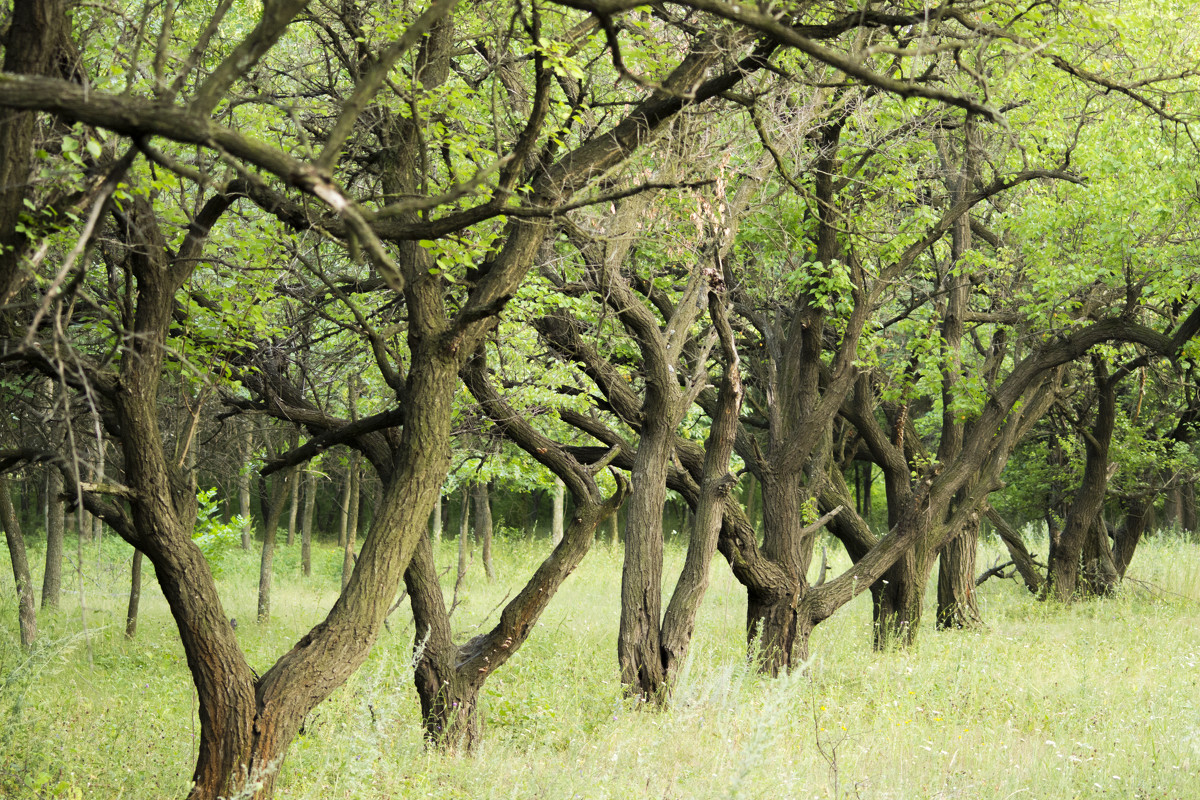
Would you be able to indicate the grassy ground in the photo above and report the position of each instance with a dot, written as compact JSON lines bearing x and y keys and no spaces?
{"x":1099,"y":700}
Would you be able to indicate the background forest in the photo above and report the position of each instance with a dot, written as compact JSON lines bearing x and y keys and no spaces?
{"x":856,"y":337}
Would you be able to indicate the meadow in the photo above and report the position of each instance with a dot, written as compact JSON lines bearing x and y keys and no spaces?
{"x":1097,"y":700}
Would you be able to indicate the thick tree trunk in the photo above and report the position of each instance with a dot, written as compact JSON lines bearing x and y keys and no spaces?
{"x":638,"y":639}
{"x":771,"y":615}
{"x":556,"y":512}
{"x":901,"y":599}
{"x":1085,"y":507}
{"x":306,"y":522}
{"x":1129,"y":535}
{"x":957,"y":606}
{"x":38,"y":35}
{"x":135,"y":595}
{"x":55,"y":524}
{"x":1100,"y":575}
{"x":483,"y":526}
{"x":448,"y":697}
{"x":26,"y":613}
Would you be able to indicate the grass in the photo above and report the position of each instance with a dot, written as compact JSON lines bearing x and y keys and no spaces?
{"x":1097,"y":700}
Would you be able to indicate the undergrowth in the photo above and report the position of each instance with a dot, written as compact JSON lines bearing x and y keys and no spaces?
{"x":1098,"y":699}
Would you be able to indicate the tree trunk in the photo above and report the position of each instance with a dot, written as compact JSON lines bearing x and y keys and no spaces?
{"x":355,"y":498}
{"x":247,"y":449}
{"x":1187,"y":507}
{"x":1085,"y":507}
{"x":638,"y":636}
{"x":135,"y":596}
{"x":26,"y":615}
{"x":435,"y":522}
{"x":1017,"y":551}
{"x":272,"y":511}
{"x":771,"y":615}
{"x":1100,"y":574}
{"x":464,"y":529}
{"x":901,"y":599}
{"x":55,"y":523}
{"x":293,"y":513}
{"x":483,"y":526}
{"x":957,"y":606}
{"x":306,"y":522}
{"x":1129,"y":535}
{"x":556,"y":513}
{"x":347,"y":490}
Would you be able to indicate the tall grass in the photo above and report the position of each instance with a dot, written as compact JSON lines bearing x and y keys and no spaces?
{"x":1100,"y":699}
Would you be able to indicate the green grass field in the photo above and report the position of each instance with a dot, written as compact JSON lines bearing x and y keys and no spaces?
{"x":1099,"y":700}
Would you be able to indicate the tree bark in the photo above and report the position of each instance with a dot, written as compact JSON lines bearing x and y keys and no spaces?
{"x":26,"y":613}
{"x":1129,"y":535}
{"x":1084,"y":511}
{"x":293,"y":512}
{"x":272,"y":511}
{"x":135,"y":595}
{"x":352,"y":507}
{"x":55,"y":524}
{"x":957,"y":605}
{"x":1017,"y":551}
{"x":306,"y":522}
{"x":435,"y":522}
{"x":483,"y":526}
{"x":247,"y":449}
{"x":556,"y":512}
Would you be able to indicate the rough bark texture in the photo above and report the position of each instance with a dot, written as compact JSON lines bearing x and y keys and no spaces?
{"x":26,"y":612}
{"x":448,"y":676}
{"x":1084,"y":511}
{"x":37,"y":41}
{"x":956,"y":603}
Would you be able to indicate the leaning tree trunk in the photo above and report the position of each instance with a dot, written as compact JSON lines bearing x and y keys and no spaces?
{"x":1017,"y":551}
{"x":1129,"y":535}
{"x":26,"y":614}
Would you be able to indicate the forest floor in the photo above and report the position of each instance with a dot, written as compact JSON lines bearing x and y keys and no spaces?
{"x":1097,"y":700}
